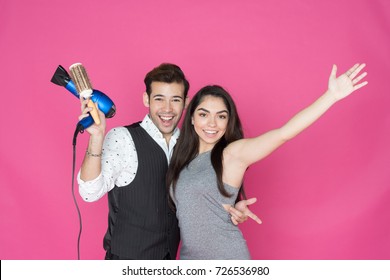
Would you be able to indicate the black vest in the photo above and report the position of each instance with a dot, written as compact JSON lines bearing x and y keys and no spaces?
{"x":140,"y":223}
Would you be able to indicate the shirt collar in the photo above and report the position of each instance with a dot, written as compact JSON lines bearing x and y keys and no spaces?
{"x":154,"y":132}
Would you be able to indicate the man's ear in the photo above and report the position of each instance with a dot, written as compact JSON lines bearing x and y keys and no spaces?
{"x":146,"y":99}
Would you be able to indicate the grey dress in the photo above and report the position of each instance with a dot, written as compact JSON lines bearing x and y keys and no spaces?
{"x":205,"y":227}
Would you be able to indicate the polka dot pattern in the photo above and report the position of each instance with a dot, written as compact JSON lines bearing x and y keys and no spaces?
{"x":120,"y":160}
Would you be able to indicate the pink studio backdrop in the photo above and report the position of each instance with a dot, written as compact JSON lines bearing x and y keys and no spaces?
{"x":324,"y":195}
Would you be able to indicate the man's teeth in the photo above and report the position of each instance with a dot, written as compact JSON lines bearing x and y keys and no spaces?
{"x":166,"y":118}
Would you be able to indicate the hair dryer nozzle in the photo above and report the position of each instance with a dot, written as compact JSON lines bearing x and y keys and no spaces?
{"x":60,"y":77}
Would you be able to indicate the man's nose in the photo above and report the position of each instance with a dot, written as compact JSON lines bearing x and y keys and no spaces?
{"x":167,"y":106}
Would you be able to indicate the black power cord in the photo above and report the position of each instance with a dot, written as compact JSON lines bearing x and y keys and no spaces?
{"x":78,"y":129}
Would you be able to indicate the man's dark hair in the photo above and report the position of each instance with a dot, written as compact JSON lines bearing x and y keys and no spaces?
{"x":166,"y":73}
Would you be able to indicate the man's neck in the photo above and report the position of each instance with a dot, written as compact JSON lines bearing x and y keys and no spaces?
{"x":167,"y":138}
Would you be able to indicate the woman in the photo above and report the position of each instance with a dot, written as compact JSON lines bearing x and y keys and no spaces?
{"x":211,"y":157}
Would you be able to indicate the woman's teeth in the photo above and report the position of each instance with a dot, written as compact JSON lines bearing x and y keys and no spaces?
{"x":210,"y":132}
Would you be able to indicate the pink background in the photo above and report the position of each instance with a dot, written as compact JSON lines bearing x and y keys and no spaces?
{"x":324,"y":195}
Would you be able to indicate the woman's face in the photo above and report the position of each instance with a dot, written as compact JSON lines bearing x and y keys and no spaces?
{"x":210,"y":120}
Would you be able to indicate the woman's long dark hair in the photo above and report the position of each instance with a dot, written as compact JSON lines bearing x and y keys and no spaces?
{"x":187,"y":146}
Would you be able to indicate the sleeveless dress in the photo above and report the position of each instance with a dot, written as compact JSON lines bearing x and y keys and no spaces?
{"x":205,"y":227}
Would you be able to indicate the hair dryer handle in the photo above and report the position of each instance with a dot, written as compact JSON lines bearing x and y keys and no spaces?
{"x":104,"y":104}
{"x":85,"y":123}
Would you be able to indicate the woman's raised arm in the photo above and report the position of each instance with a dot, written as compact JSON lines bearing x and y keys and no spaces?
{"x":248,"y":151}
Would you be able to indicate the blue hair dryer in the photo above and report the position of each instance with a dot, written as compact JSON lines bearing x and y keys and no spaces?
{"x":104,"y":103}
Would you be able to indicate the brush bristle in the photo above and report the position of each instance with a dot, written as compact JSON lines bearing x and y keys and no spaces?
{"x":80,"y":78}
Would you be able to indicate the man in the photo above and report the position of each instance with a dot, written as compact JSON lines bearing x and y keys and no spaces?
{"x":130,"y":165}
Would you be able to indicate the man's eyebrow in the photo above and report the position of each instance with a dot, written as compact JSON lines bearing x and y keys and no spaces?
{"x":161,"y":95}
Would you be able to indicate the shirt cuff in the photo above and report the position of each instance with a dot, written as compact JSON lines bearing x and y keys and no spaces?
{"x":87,"y":183}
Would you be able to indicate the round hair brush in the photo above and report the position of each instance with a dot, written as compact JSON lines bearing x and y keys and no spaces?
{"x":84,"y":87}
